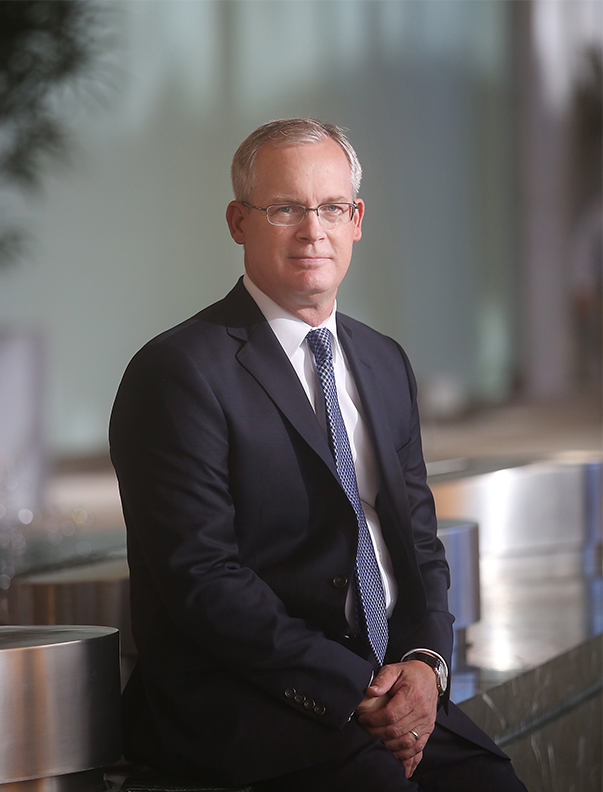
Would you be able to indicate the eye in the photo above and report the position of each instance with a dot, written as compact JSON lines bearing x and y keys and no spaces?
{"x":334,"y":209}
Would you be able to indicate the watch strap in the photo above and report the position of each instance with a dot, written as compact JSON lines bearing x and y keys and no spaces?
{"x":432,"y":661}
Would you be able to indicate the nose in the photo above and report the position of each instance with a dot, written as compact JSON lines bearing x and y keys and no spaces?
{"x":310,"y":227}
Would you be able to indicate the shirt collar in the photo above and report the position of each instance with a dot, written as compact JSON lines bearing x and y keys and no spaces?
{"x":289,"y":330}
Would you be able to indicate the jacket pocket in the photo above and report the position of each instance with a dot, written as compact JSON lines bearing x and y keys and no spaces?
{"x":403,"y":452}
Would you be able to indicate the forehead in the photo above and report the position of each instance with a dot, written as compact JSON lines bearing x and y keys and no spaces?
{"x":304,"y":168}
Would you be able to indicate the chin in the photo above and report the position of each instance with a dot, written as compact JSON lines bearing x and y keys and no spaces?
{"x":317,"y":283}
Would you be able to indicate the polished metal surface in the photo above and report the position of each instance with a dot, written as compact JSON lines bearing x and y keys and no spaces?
{"x":548,"y":506}
{"x":87,"y":781}
{"x":59,"y":704}
{"x":461,"y":541}
{"x":97,"y":592}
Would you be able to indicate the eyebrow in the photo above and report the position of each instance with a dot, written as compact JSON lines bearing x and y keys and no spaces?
{"x":284,"y":200}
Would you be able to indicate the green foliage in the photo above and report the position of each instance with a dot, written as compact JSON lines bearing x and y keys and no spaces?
{"x":46,"y":47}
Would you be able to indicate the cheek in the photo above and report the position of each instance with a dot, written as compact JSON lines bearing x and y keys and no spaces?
{"x":344,"y":251}
{"x":260,"y":248}
{"x":274,"y":243}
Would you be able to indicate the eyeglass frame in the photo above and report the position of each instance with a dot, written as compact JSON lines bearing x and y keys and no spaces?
{"x":353,"y":206}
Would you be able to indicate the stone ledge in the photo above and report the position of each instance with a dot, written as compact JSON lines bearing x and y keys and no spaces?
{"x":548,"y":720}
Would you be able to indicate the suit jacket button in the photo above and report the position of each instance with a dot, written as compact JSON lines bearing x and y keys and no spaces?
{"x":290,"y":692}
{"x":309,"y":704}
{"x":299,"y":699}
{"x":319,"y":709}
{"x":340,"y":581}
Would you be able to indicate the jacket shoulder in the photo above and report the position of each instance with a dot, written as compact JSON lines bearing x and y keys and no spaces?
{"x":234,"y":314}
{"x":372,"y":341}
{"x":361,"y":331}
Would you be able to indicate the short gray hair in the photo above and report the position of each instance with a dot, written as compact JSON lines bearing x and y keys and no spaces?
{"x":287,"y":132}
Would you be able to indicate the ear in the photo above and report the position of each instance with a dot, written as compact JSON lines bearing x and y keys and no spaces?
{"x":357,"y":219}
{"x":236,"y":214}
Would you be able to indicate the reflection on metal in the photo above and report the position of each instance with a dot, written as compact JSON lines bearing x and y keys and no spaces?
{"x":460,"y":539}
{"x":87,"y":593}
{"x":594,"y":517}
{"x":543,"y":507}
{"x":88,"y":781}
{"x":442,"y":466}
{"x":461,"y":542}
{"x":59,"y":707}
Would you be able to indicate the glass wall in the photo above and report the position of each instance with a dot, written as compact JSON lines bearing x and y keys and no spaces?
{"x":131,"y":238}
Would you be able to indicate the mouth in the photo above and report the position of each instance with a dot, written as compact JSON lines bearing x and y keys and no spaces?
{"x":309,"y":261}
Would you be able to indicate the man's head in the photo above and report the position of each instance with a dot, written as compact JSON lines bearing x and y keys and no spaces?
{"x":287,"y":132}
{"x":297,"y":162}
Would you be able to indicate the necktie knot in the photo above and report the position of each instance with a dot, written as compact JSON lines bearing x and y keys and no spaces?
{"x":319,"y":341}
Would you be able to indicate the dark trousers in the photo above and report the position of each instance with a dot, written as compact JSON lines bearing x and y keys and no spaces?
{"x":450,"y":764}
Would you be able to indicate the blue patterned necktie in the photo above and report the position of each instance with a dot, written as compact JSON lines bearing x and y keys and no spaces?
{"x":368,"y":588}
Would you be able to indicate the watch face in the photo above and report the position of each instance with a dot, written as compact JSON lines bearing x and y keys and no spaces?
{"x":442,"y":676}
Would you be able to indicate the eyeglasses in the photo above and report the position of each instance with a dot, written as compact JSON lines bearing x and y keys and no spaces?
{"x":329,"y":214}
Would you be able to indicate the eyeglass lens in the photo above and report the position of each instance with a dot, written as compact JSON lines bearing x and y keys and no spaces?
{"x":293,"y":214}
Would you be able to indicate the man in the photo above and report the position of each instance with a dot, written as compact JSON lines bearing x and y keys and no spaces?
{"x":281,"y":536}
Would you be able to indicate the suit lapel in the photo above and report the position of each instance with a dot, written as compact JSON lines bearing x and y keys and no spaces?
{"x":264,"y":358}
{"x":397,"y":532}
{"x":395,"y":515}
{"x":373,"y":407}
{"x":262,"y":355}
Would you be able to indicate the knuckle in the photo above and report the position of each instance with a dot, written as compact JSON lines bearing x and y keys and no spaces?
{"x":389,"y":736}
{"x":398,"y":732}
{"x":422,"y":702}
{"x":391,"y":717}
{"x":405,"y":745}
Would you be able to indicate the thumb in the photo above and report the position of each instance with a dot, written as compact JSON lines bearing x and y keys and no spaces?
{"x":383,"y":682}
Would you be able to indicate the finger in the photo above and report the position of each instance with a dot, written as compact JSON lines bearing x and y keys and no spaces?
{"x":386,"y":724}
{"x":395,"y":710}
{"x":386,"y":678}
{"x":369,"y":704}
{"x":407,"y":754}
{"x":405,"y":747}
{"x":411,"y":764}
{"x":421,"y":725}
{"x":407,"y":707}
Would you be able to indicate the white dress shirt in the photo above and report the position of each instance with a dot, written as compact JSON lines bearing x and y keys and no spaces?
{"x":291,"y":333}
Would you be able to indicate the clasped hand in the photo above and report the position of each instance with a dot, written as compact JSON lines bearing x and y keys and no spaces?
{"x":401,"y":698}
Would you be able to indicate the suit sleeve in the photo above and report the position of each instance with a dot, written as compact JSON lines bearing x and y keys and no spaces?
{"x":435,"y":631}
{"x":169,"y":439}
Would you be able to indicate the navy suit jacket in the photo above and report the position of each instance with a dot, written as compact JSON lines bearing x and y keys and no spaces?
{"x":241,"y":545}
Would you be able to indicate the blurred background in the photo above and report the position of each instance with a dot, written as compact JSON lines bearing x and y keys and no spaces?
{"x":479,"y":128}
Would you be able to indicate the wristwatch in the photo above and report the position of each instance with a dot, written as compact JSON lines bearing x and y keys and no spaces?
{"x":439,"y":668}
